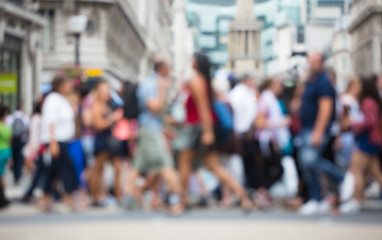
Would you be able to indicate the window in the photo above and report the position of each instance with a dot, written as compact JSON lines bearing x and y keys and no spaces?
{"x":300,"y":34}
{"x":48,"y":33}
{"x":345,"y":42}
{"x":344,"y":64}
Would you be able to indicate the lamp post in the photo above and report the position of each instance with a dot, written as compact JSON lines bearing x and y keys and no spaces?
{"x":76,"y":26}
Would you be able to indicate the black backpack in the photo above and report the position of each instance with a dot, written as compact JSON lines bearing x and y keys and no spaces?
{"x":131,"y":108}
{"x":19,"y":128}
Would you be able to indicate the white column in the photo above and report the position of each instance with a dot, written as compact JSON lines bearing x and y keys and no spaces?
{"x":242,"y":43}
{"x":26,"y":80}
{"x":376,"y":57}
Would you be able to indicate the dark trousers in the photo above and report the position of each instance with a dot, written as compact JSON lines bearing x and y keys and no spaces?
{"x":62,"y":167}
{"x":249,"y":154}
{"x":38,"y":177}
{"x":261,"y":171}
{"x":17,"y":145}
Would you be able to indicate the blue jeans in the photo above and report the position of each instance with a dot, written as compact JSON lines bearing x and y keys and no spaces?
{"x":312,"y":164}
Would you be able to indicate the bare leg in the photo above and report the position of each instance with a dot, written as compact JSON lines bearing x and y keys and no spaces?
{"x":212,"y":161}
{"x":117,"y":178}
{"x":358,"y":165}
{"x":375,"y":170}
{"x":172,"y":179}
{"x":185,"y":161}
{"x":96,"y":188}
{"x":201,"y":184}
{"x":131,"y":180}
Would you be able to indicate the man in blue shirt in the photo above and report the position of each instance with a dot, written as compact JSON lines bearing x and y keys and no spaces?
{"x":317,"y":114}
{"x":153,"y":155}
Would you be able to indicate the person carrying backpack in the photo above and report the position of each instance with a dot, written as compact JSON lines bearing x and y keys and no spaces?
{"x":19,"y":122}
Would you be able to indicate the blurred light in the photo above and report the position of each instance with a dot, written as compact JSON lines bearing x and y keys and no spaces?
{"x":77,"y":24}
{"x":94,"y":72}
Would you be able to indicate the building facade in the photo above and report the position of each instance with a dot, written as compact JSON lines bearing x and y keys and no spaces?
{"x":20,"y":53}
{"x":120,"y":39}
{"x":245,"y":40}
{"x":183,"y":42}
{"x":210,"y":21}
{"x":366,"y":32}
{"x":340,"y":53}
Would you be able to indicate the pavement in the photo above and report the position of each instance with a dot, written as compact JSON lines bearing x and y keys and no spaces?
{"x":26,"y":222}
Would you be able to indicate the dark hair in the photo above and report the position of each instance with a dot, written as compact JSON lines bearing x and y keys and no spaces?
{"x":37,"y":107}
{"x":204,"y":68}
{"x":158,"y":65}
{"x":266,"y":84}
{"x":369,"y":89}
{"x":4,"y":110}
{"x":57,"y":82}
{"x":99,"y":83}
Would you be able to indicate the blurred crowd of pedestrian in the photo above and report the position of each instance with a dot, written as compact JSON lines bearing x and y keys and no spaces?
{"x":212,"y":141}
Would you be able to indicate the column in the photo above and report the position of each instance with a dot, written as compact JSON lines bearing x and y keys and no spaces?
{"x":242,"y":43}
{"x":376,"y":57}
{"x":26,"y":80}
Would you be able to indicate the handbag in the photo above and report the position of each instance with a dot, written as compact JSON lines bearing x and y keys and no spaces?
{"x":122,"y":130}
{"x":224,"y":116}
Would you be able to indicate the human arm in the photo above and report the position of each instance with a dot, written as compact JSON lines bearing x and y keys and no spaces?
{"x":370,"y":111}
{"x":156,"y":103}
{"x":325,"y":109}
{"x":200,"y":96}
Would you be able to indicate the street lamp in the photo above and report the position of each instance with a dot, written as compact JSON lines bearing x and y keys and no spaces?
{"x":76,"y":26}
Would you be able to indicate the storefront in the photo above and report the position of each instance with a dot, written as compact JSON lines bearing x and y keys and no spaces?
{"x":20,"y":55}
{"x":10,"y":53}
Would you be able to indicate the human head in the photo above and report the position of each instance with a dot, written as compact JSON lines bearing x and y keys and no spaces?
{"x":354,"y":87}
{"x":102,"y":91}
{"x":62,"y":85}
{"x":3,"y":112}
{"x":201,"y":64}
{"x":248,"y":80}
{"x":332,"y":76}
{"x":37,"y":107}
{"x":369,"y":89}
{"x":273,"y":84}
{"x":316,"y":62}
{"x":162,"y":67}
{"x":380,"y":84}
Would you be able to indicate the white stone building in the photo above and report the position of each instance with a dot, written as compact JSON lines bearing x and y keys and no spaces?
{"x":244,"y":46}
{"x":340,"y":53}
{"x":183,"y":42}
{"x":366,"y":32}
{"x":120,"y":38}
{"x":20,"y":53}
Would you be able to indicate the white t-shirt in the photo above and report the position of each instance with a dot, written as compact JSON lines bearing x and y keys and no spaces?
{"x":244,"y":104}
{"x":355,"y":111}
{"x":58,"y":111}
{"x":270,"y":106}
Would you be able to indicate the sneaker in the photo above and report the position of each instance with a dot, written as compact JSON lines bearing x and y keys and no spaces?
{"x":350,"y":207}
{"x":324,"y":207}
{"x":310,"y":208}
{"x":107,"y":202}
{"x":129,"y":203}
{"x":347,"y":187}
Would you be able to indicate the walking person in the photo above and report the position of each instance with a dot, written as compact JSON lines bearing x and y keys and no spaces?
{"x":153,"y":154}
{"x":5,"y":152}
{"x":273,"y":136}
{"x":368,"y":141}
{"x":32,"y":152}
{"x":244,"y":104}
{"x":57,"y":130}
{"x":317,"y":114}
{"x":19,"y":122}
{"x":201,"y":120}
{"x":106,"y":147}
